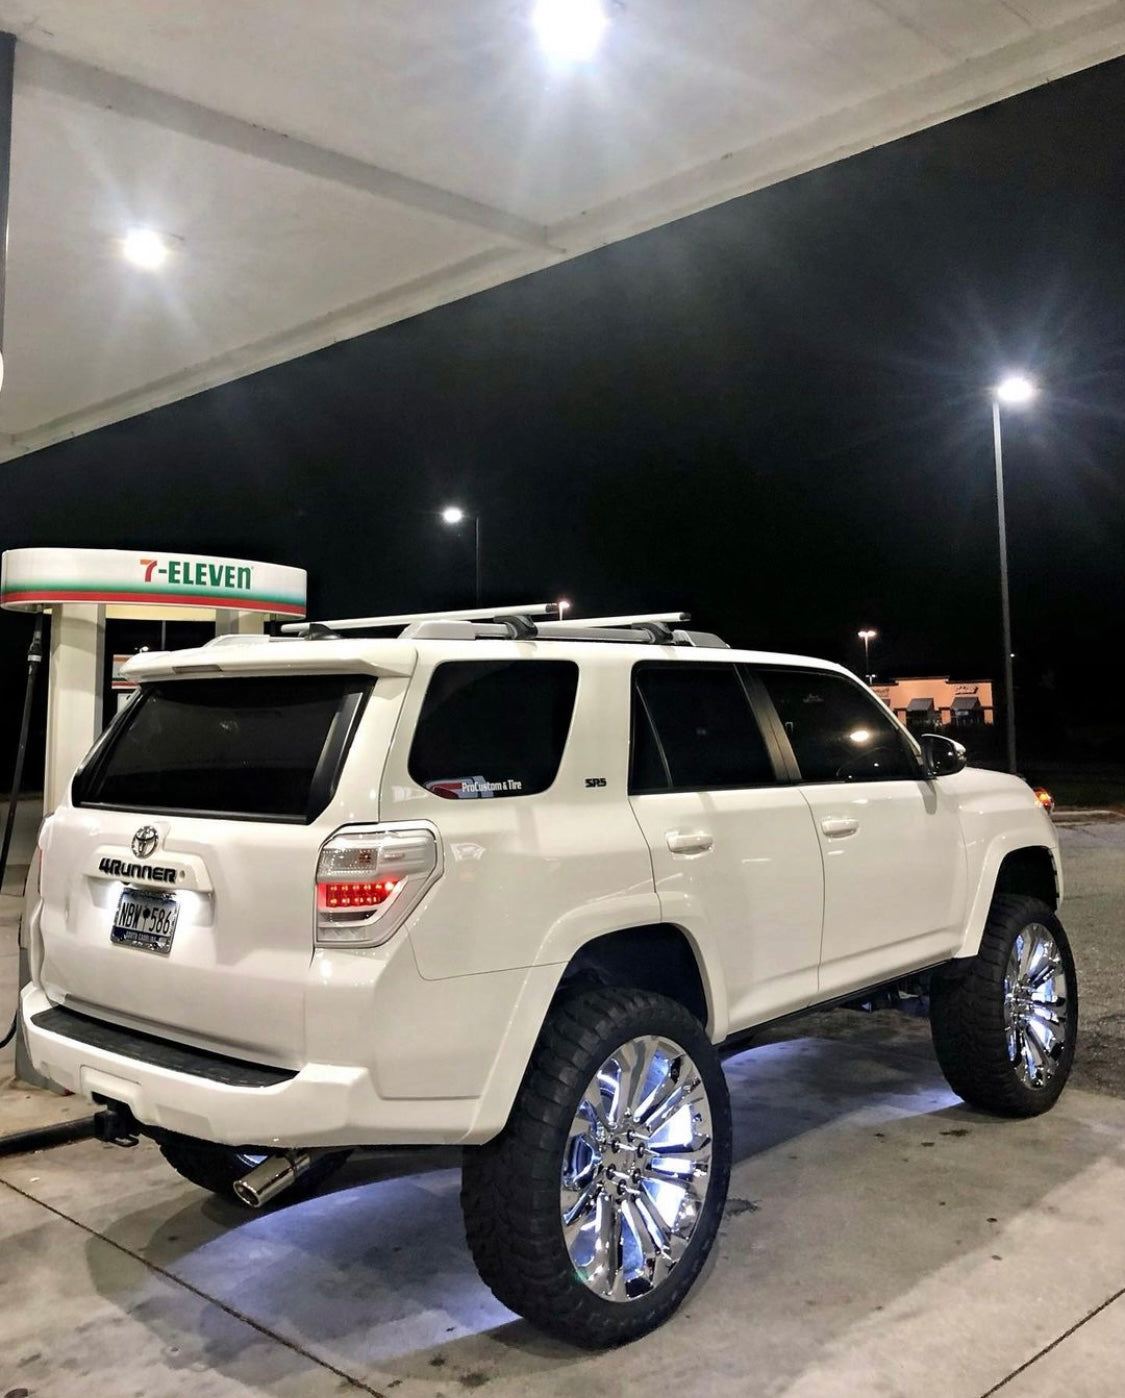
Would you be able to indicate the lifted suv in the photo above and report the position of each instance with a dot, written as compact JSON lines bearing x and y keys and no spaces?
{"x":514,"y":883}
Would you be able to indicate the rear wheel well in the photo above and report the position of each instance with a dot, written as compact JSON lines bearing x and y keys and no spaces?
{"x":1030,"y":872}
{"x":657,"y":957}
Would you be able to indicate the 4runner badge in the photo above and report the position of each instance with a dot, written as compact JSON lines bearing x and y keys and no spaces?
{"x":145,"y":841}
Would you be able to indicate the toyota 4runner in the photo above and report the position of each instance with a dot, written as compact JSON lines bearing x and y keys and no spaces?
{"x":514,"y":883}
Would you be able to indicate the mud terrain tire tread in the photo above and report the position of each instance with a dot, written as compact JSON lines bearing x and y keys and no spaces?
{"x":510,"y":1186}
{"x":967,"y":1016}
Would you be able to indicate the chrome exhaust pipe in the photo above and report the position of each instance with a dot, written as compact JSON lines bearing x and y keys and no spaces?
{"x":273,"y":1176}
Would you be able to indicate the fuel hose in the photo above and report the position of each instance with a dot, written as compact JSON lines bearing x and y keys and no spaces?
{"x":34,"y":660}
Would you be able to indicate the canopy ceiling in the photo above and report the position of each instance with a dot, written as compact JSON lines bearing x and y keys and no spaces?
{"x":321,"y":170}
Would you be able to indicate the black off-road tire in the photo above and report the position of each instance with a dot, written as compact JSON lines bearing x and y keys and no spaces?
{"x":967,"y":1016}
{"x":215,"y":1168}
{"x":510,"y":1192}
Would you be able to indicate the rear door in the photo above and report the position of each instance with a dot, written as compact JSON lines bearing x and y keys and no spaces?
{"x":734,"y":854}
{"x":178,"y":885}
{"x":894,"y":859}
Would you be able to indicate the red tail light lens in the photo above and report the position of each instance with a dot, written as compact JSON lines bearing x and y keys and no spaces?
{"x":356,"y":896}
{"x":369,"y":880}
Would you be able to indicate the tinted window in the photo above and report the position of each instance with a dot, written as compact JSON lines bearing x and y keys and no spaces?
{"x":268,"y":747}
{"x":838,"y":732}
{"x":493,"y":727}
{"x":703,"y":734}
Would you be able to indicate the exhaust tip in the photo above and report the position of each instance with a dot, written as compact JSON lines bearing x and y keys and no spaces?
{"x":269,"y":1179}
{"x":247,"y":1195}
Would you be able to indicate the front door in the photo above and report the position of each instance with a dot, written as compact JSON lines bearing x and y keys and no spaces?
{"x":894,"y":859}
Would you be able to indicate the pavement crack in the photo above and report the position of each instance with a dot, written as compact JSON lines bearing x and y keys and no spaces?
{"x":357,"y":1384}
{"x":1066,"y":1334}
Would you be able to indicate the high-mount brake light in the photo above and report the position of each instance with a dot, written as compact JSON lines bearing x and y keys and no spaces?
{"x":369,"y":879}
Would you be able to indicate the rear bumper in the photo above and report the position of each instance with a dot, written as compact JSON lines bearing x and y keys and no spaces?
{"x":323,"y":1104}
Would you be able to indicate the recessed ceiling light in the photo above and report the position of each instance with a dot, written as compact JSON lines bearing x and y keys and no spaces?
{"x":570,"y":30}
{"x":144,"y":248}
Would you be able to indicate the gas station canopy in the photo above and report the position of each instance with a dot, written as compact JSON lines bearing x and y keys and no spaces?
{"x":316,"y":171}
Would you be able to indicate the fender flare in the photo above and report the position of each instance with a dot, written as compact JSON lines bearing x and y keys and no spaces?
{"x":999,"y":849}
{"x":541,"y":982}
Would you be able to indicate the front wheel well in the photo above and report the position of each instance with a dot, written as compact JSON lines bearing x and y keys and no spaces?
{"x":657,"y":957}
{"x":1030,"y":872}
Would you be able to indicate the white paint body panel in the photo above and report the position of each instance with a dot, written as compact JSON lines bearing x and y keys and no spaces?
{"x":894,"y":879}
{"x":425,"y":1038}
{"x":752,"y":901}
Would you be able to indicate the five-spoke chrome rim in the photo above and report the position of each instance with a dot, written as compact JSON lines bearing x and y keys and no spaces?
{"x":636,"y":1168}
{"x":1035,"y":1006}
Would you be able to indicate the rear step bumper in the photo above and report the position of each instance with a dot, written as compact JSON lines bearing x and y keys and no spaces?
{"x":195,"y":1093}
{"x":162,"y":1053}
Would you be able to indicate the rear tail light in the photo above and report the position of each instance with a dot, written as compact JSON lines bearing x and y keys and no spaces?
{"x":369,"y":880}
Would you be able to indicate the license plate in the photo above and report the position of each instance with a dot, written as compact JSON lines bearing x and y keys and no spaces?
{"x":145,"y":920}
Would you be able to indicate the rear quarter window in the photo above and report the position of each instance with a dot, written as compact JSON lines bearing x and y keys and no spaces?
{"x":493,"y":728}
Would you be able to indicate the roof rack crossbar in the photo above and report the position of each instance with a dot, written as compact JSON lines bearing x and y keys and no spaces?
{"x":526,"y":623}
{"x":364,"y":623}
{"x":608,"y":621}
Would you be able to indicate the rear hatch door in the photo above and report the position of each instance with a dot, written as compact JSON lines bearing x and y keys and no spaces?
{"x":178,"y":884}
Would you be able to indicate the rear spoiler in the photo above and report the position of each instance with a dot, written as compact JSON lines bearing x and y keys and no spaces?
{"x":271,"y":655}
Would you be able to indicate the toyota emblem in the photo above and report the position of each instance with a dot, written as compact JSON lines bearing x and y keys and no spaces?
{"x":145,"y":841}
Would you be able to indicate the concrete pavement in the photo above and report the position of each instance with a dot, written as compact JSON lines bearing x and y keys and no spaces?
{"x":881,"y":1239}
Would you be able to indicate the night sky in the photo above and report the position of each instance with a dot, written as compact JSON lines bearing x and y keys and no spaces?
{"x":774,"y":414}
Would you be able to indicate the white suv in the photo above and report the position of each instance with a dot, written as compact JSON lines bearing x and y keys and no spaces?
{"x":515,"y":883}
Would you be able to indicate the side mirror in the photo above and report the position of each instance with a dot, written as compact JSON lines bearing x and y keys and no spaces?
{"x":941,"y":756}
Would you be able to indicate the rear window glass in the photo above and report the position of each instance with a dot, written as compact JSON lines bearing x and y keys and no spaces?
{"x":491,"y":728}
{"x":266,"y":747}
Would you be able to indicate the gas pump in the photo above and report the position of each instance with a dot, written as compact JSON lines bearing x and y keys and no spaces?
{"x":80,"y":589}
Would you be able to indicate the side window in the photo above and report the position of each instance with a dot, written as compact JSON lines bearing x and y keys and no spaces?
{"x":493,"y":728}
{"x":838,"y":732}
{"x":693,"y":730}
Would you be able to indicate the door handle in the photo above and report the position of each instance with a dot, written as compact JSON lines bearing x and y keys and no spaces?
{"x":689,"y":841}
{"x":839,"y":825}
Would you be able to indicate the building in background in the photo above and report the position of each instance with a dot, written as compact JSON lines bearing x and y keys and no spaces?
{"x":930,"y":702}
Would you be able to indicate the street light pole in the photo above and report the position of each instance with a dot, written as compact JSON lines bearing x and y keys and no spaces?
{"x":867,"y":636}
{"x":1005,"y":602}
{"x":1015,"y":390}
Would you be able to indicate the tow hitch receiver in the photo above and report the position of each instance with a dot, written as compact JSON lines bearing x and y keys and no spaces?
{"x":117,"y":1125}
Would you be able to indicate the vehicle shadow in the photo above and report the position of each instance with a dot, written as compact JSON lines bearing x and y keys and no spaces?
{"x":373,"y":1276}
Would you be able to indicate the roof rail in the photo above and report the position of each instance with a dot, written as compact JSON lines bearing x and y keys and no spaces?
{"x":366,"y":623}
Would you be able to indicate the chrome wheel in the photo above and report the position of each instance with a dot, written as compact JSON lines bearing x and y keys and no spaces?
{"x":636,"y":1168}
{"x":1035,"y":1005}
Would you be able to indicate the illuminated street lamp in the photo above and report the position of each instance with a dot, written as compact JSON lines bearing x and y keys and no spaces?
{"x":867,"y":637}
{"x":453,"y":515}
{"x":1013,"y":392}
